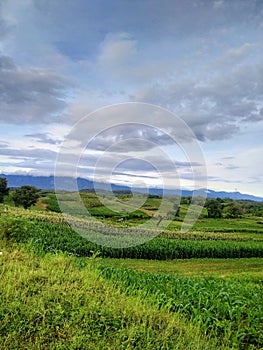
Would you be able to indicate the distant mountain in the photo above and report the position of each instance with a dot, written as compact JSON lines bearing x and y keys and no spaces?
{"x":233,"y":195}
{"x":65,"y":183}
{"x":43,"y":182}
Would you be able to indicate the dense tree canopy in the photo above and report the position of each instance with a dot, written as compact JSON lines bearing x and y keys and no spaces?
{"x":214,"y":208}
{"x":233,"y":210}
{"x":25,"y":196}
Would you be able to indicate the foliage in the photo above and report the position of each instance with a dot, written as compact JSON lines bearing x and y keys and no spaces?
{"x":214,"y":208}
{"x":13,"y":229}
{"x":25,"y":196}
{"x":175,"y":213}
{"x":252,"y":208}
{"x":52,"y":203}
{"x":233,"y":210}
{"x":4,"y":190}
{"x":95,"y":207}
{"x":186,"y":200}
{"x":90,"y":200}
{"x":56,"y":237}
{"x":52,"y":295}
{"x":52,"y":302}
{"x":154,"y":196}
{"x":228,"y":310}
{"x":51,"y":233}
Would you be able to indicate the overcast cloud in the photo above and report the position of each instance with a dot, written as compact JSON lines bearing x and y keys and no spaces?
{"x":201,"y":60}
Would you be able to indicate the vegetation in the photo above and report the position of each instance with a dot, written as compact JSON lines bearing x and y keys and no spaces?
{"x":233,"y":210}
{"x":51,"y":236}
{"x":243,"y":269}
{"x":51,"y":302}
{"x":25,"y":196}
{"x":230,"y":310}
{"x":52,"y":203}
{"x":196,"y":290}
{"x":4,"y":190}
{"x":228,"y":208}
{"x":214,"y":208}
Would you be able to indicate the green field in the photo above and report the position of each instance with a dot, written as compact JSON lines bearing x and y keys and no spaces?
{"x":242,"y":268}
{"x":197,"y":290}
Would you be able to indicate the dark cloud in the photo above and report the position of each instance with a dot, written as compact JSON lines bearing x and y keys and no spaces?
{"x":217,"y":108}
{"x":129,"y":138}
{"x":133,"y":175}
{"x":30,"y":95}
{"x":44,"y":138}
{"x":147,"y":165}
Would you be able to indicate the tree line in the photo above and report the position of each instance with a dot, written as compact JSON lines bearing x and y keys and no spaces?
{"x":229,"y":208}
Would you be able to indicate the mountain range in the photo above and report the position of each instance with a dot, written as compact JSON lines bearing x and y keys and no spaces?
{"x":64,"y":183}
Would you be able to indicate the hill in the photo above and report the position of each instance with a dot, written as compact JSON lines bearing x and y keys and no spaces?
{"x":65,"y":183}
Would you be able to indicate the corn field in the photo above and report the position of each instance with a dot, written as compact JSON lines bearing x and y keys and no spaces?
{"x":229,"y":310}
{"x":54,"y":236}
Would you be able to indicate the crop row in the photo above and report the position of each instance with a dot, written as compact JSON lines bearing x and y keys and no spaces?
{"x":48,"y":236}
{"x":230,"y":310}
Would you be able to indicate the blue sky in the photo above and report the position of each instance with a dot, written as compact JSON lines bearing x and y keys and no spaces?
{"x":202,"y":60}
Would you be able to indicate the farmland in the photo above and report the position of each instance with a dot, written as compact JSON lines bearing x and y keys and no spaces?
{"x":196,"y":290}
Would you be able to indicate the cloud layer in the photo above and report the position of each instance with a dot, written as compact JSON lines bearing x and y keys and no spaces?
{"x":201,"y":60}
{"x":30,"y":95}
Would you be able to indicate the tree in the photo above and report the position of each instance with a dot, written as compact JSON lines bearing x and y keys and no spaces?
{"x":25,"y":196}
{"x":3,"y":188}
{"x":233,"y":210}
{"x":214,"y":208}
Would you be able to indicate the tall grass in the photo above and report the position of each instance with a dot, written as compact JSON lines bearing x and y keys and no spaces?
{"x":229,"y":310}
{"x":51,"y":237}
{"x":50,"y":302}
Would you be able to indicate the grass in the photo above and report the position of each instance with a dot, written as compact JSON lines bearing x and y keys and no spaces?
{"x":51,"y":302}
{"x":52,"y":299}
{"x":138,"y":210}
{"x":244,"y":269}
{"x":230,"y":310}
{"x":246,"y":224}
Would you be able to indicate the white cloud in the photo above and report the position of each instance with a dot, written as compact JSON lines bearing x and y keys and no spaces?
{"x":116,"y":49}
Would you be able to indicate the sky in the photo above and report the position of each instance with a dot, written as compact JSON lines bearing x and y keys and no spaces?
{"x":199,"y":61}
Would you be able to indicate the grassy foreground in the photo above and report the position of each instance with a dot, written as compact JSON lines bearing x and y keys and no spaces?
{"x":55,"y":294}
{"x":51,"y":302}
{"x":230,"y":309}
